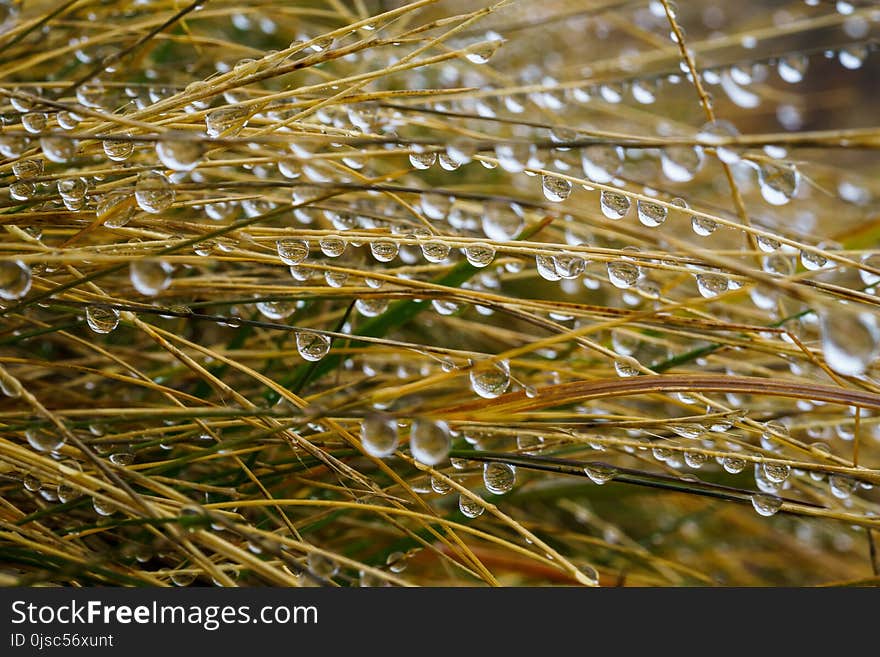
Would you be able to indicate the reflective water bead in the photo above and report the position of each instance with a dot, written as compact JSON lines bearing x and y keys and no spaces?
{"x":150,"y":276}
{"x":322,"y":566}
{"x":651,"y":214}
{"x":546,"y":268}
{"x":625,"y":369}
{"x":776,"y":472}
{"x":44,"y":440}
{"x":58,"y":149}
{"x":766,"y":505}
{"x":276,"y":310}
{"x":703,"y":226}
{"x":491,"y":382}
{"x":499,"y":478}
{"x":384,"y":250}
{"x":778,"y":182}
{"x":312,"y":346}
{"x":435,"y":251}
{"x":813,"y":261}
{"x":422,"y":160}
{"x":179,"y":154}
{"x":15,"y":279}
{"x":429,"y":441}
{"x":614,"y":205}
{"x":482,"y":52}
{"x":622,"y":274}
{"x":681,"y":163}
{"x":226,"y":121}
{"x":600,"y":473}
{"x":479,"y":255}
{"x":332,"y":246}
{"x":379,"y":435}
{"x":470,"y":508}
{"x":440,"y":486}
{"x":850,"y":338}
{"x":852,"y":57}
{"x":31,"y":168}
{"x":500,"y":223}
{"x":733,"y":464}
{"x":371,"y":307}
{"x":791,"y":68}
{"x":842,"y":487}
{"x":714,"y":134}
{"x":117,"y":150}
{"x":556,"y":189}
{"x":153,"y":192}
{"x":102,"y":319}
{"x":292,"y":251}
{"x":711,"y":285}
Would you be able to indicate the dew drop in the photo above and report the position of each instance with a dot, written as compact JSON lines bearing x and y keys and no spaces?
{"x":226,"y":121}
{"x":423,"y":161}
{"x":102,"y":319}
{"x":15,"y":279}
{"x":45,"y":441}
{"x":651,"y":214}
{"x":711,"y":285}
{"x":499,"y":478}
{"x":332,"y":246}
{"x":482,"y":52}
{"x":702,"y":226}
{"x":440,"y":486}
{"x":149,"y":276}
{"x":791,"y":68}
{"x":153,"y":192}
{"x":117,"y":150}
{"x":733,"y":464}
{"x":600,"y":473}
{"x":312,"y":346}
{"x":622,"y":274}
{"x":479,"y":255}
{"x":492,"y":382}
{"x":322,"y":566}
{"x":842,"y":487}
{"x":429,"y":441}
{"x":292,"y":251}
{"x":556,"y":189}
{"x":849,"y":339}
{"x":179,"y":154}
{"x":614,"y":205}
{"x":379,"y":435}
{"x":469,"y":507}
{"x":776,"y":473}
{"x":384,"y":250}
{"x":435,"y":251}
{"x":681,"y":163}
{"x":766,"y":505}
{"x":778,"y":182}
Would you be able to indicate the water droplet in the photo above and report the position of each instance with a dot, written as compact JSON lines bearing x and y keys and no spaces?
{"x":24,"y":169}
{"x":681,"y":163}
{"x":440,"y":486}
{"x":614,"y":205}
{"x":117,"y":150}
{"x":15,"y":279}
{"x":813,"y":261}
{"x":469,"y":507}
{"x":568,"y":265}
{"x":499,"y":478}
{"x":102,"y":319}
{"x":479,"y":255}
{"x":43,"y":440}
{"x":276,"y":310}
{"x":849,"y":339}
{"x":435,"y":251}
{"x":778,"y":182}
{"x":122,"y":458}
{"x":651,"y":214}
{"x":384,"y":250}
{"x":226,"y":121}
{"x":179,"y":154}
{"x":116,"y":208}
{"x":625,"y":369}
{"x":371,"y":307}
{"x":58,"y":149}
{"x":322,"y":566}
{"x":870,"y":260}
{"x":482,"y":52}
{"x":842,"y":487}
{"x":429,"y":441}
{"x":556,"y":189}
{"x":492,"y":382}
{"x":546,"y":267}
{"x":379,"y":435}
{"x":776,"y":473}
{"x":766,"y":505}
{"x":153,"y":192}
{"x":396,"y":562}
{"x":600,"y":473}
{"x":292,"y":251}
{"x":714,"y":133}
{"x":852,"y":57}
{"x":103,"y":507}
{"x":150,"y":277}
{"x":711,"y":285}
{"x":702,"y":226}
{"x":33,"y":122}
{"x":695,"y":459}
{"x":733,"y":464}
{"x":312,"y":346}
{"x":423,"y":160}
{"x":791,"y":68}
{"x":500,"y":223}
{"x":622,"y":274}
{"x":332,"y":246}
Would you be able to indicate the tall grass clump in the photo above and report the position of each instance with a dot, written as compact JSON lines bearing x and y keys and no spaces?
{"x":439,"y":293}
